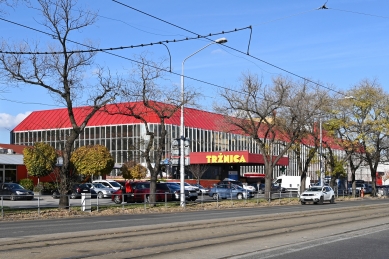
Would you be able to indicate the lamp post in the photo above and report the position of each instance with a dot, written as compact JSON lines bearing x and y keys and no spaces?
{"x":182,"y":131}
{"x":321,"y":167}
{"x":320,"y":158}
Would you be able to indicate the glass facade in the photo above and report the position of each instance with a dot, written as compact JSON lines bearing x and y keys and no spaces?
{"x":126,"y":143}
{"x":7,"y":173}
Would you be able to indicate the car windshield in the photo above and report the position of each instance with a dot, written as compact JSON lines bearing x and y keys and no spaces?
{"x":14,"y":186}
{"x":115,"y":184}
{"x":98,"y":185}
{"x":314,"y":189}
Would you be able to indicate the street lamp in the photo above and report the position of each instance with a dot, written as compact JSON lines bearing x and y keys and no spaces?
{"x":182,"y":131}
{"x":321,"y":154}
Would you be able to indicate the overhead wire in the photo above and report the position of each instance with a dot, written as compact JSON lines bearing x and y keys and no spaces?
{"x":112,"y":48}
{"x":126,"y":58}
{"x":239,"y":51}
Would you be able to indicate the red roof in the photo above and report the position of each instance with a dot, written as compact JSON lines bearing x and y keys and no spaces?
{"x":17,"y":149}
{"x":193,"y":118}
{"x":58,"y":118}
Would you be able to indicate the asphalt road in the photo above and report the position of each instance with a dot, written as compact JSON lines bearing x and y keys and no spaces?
{"x":352,"y":229}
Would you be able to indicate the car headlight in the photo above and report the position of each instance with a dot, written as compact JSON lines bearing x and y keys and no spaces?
{"x":20,"y":193}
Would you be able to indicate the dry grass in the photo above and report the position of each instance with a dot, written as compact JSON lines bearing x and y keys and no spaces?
{"x":15,"y":215}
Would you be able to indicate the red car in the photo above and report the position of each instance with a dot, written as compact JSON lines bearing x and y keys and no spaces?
{"x":141,"y":191}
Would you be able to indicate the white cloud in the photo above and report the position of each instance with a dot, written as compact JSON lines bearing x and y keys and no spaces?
{"x":9,"y":121}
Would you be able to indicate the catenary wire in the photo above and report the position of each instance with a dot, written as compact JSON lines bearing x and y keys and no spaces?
{"x":239,"y":51}
{"x":92,"y":49}
{"x":129,"y":59}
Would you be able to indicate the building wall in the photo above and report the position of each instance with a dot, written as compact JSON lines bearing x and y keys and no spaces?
{"x":126,"y":142}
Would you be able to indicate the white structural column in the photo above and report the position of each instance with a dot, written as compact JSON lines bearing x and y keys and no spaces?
{"x":182,"y":126}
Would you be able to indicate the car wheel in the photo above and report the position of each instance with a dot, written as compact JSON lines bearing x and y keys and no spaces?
{"x":73,"y":195}
{"x":117,"y":199}
{"x":321,"y":200}
{"x":215,"y":196}
{"x":13,"y":198}
{"x":239,"y":196}
{"x":303,"y":203}
{"x":332,"y":201}
{"x":193,"y":198}
{"x":100,"y":195}
{"x":147,"y":199}
{"x":55,"y":195}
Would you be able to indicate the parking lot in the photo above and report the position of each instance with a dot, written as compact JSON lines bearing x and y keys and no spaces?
{"x":47,"y":201}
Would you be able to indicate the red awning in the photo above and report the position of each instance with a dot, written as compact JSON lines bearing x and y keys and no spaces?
{"x":253,"y":175}
{"x":232,"y":157}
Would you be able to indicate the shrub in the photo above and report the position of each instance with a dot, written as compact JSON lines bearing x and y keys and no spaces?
{"x":27,"y":183}
{"x":49,"y":186}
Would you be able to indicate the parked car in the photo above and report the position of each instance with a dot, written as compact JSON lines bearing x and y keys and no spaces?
{"x":175,"y":189}
{"x":318,"y":195}
{"x":14,"y":191}
{"x":224,"y":191}
{"x":141,"y":193}
{"x":275,"y":188}
{"x":249,"y":187}
{"x":118,"y":194}
{"x":202,"y":189}
{"x":109,"y":183}
{"x":78,"y":189}
{"x":101,"y":190}
{"x":230,"y":181}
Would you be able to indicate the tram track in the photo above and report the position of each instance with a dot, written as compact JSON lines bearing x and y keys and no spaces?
{"x":136,"y":242}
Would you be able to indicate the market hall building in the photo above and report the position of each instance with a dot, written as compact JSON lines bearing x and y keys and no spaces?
{"x":211,"y":141}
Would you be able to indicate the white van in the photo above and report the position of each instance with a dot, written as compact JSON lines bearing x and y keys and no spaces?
{"x":109,"y":183}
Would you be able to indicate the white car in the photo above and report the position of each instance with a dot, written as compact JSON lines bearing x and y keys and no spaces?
{"x":190,"y":187}
{"x":249,"y":187}
{"x":202,"y":189}
{"x":109,"y":184}
{"x":318,"y":195}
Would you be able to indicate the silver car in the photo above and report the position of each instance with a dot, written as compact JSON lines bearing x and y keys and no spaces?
{"x":101,"y":190}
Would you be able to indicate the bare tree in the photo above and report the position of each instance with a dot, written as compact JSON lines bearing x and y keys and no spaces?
{"x":62,"y":75}
{"x":146,"y":96}
{"x":274,"y":116}
{"x":307,"y":102}
{"x":198,"y":171}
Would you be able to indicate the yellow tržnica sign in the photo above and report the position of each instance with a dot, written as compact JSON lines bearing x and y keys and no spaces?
{"x":225,"y":158}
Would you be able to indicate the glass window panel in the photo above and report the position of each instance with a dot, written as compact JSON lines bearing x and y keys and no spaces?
{"x":113,"y":132}
{"x":125,"y":140}
{"x":107,"y":132}
{"x":97,"y":132}
{"x":92,"y":133}
{"x":119,"y":144}
{"x":102,"y":132}
{"x":86,"y":133}
{"x":124,"y":130}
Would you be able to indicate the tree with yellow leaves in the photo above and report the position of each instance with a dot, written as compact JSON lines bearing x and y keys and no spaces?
{"x":92,"y":160}
{"x":40,"y":159}
{"x":131,"y":170}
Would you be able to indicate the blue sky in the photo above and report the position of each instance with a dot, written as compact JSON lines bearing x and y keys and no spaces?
{"x":337,"y":47}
